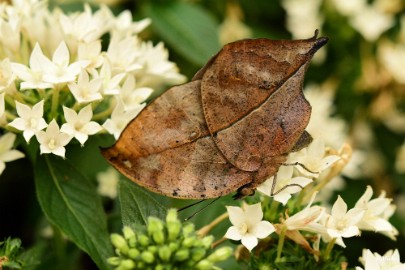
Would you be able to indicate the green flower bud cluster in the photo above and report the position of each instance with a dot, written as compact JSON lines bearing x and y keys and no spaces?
{"x":165,"y":245}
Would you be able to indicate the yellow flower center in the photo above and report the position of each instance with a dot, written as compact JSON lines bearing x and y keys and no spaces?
{"x":243,"y":228}
{"x":52,"y":144}
{"x":33,"y":122}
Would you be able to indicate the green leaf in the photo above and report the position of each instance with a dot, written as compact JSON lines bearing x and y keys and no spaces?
{"x":137,"y":203}
{"x":187,"y":28}
{"x":69,"y":200}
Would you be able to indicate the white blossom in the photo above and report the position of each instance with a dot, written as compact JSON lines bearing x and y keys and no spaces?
{"x":248,"y":225}
{"x":52,"y":140}
{"x":374,"y":261}
{"x":59,"y":70}
{"x":30,"y":120}
{"x":342,"y":223}
{"x":284,"y":178}
{"x":33,"y":77}
{"x":131,"y":96}
{"x":313,"y":158}
{"x":86,"y":90}
{"x":8,"y":154}
{"x":377,"y":213}
{"x":79,"y":125}
{"x":120,"y":118}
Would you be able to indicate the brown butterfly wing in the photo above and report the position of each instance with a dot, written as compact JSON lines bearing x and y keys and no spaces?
{"x":167,"y":149}
{"x":252,"y":98}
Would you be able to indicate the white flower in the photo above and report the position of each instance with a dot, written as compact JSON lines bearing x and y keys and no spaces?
{"x":123,"y":54}
{"x":6,"y":153}
{"x":248,"y":225}
{"x":58,"y":70}
{"x":7,"y":77}
{"x":131,"y":96}
{"x":349,"y":7}
{"x":90,"y":52}
{"x":371,"y":22}
{"x":52,"y":140}
{"x":86,"y":90}
{"x":10,"y":30}
{"x":307,"y":219}
{"x":342,"y":223}
{"x":156,"y":68}
{"x":110,"y":83}
{"x":125,"y":26}
{"x":2,"y":105}
{"x":30,"y":120}
{"x":33,"y":77}
{"x":377,"y":213}
{"x":284,"y":178}
{"x":120,"y":118}
{"x":389,"y":261}
{"x":392,"y":56}
{"x":107,"y":183}
{"x":313,"y":158}
{"x":79,"y":125}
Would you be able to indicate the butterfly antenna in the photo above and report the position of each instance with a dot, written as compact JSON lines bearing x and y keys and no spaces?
{"x":200,"y":210}
{"x":190,"y":205}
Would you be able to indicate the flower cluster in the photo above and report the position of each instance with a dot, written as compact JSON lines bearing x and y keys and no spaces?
{"x":165,"y":245}
{"x":72,"y":86}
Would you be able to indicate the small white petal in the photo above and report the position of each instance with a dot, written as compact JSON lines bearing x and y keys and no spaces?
{"x":249,"y":242}
{"x":263,"y":229}
{"x":233,"y":234}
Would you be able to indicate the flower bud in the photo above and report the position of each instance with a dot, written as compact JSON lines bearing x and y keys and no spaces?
{"x":128,"y":232}
{"x":173,"y":246}
{"x":189,"y":242}
{"x":119,"y":242}
{"x":133,"y":253}
{"x":207,"y":241}
{"x":159,"y":237}
{"x":171,"y":216}
{"x":181,"y":255}
{"x":114,"y":260}
{"x":153,"y":249}
{"x":147,"y":257}
{"x":220,"y":254}
{"x":173,"y":229}
{"x":165,"y":253}
{"x":198,"y":253}
{"x":127,"y":264}
{"x":154,"y":225}
{"x":143,"y":240}
{"x":188,"y":229}
{"x":204,"y":265}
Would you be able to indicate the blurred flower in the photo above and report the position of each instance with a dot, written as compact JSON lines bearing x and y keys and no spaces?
{"x":303,"y":17}
{"x":342,"y":223}
{"x":108,"y":182}
{"x":52,"y":140}
{"x":349,"y":7}
{"x":79,"y":125}
{"x":248,"y":225}
{"x":7,"y":76}
{"x":313,"y":158}
{"x":8,"y":154}
{"x":322,"y":124}
{"x":377,"y":213}
{"x":30,"y":120}
{"x":371,"y":22}
{"x":232,"y":28}
{"x":392,"y":56}
{"x":285,"y":185}
{"x":374,"y":261}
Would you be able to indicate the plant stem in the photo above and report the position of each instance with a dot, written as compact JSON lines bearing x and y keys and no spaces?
{"x":281,"y":243}
{"x":55,"y":101}
{"x":207,"y":228}
{"x":328,"y":249}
